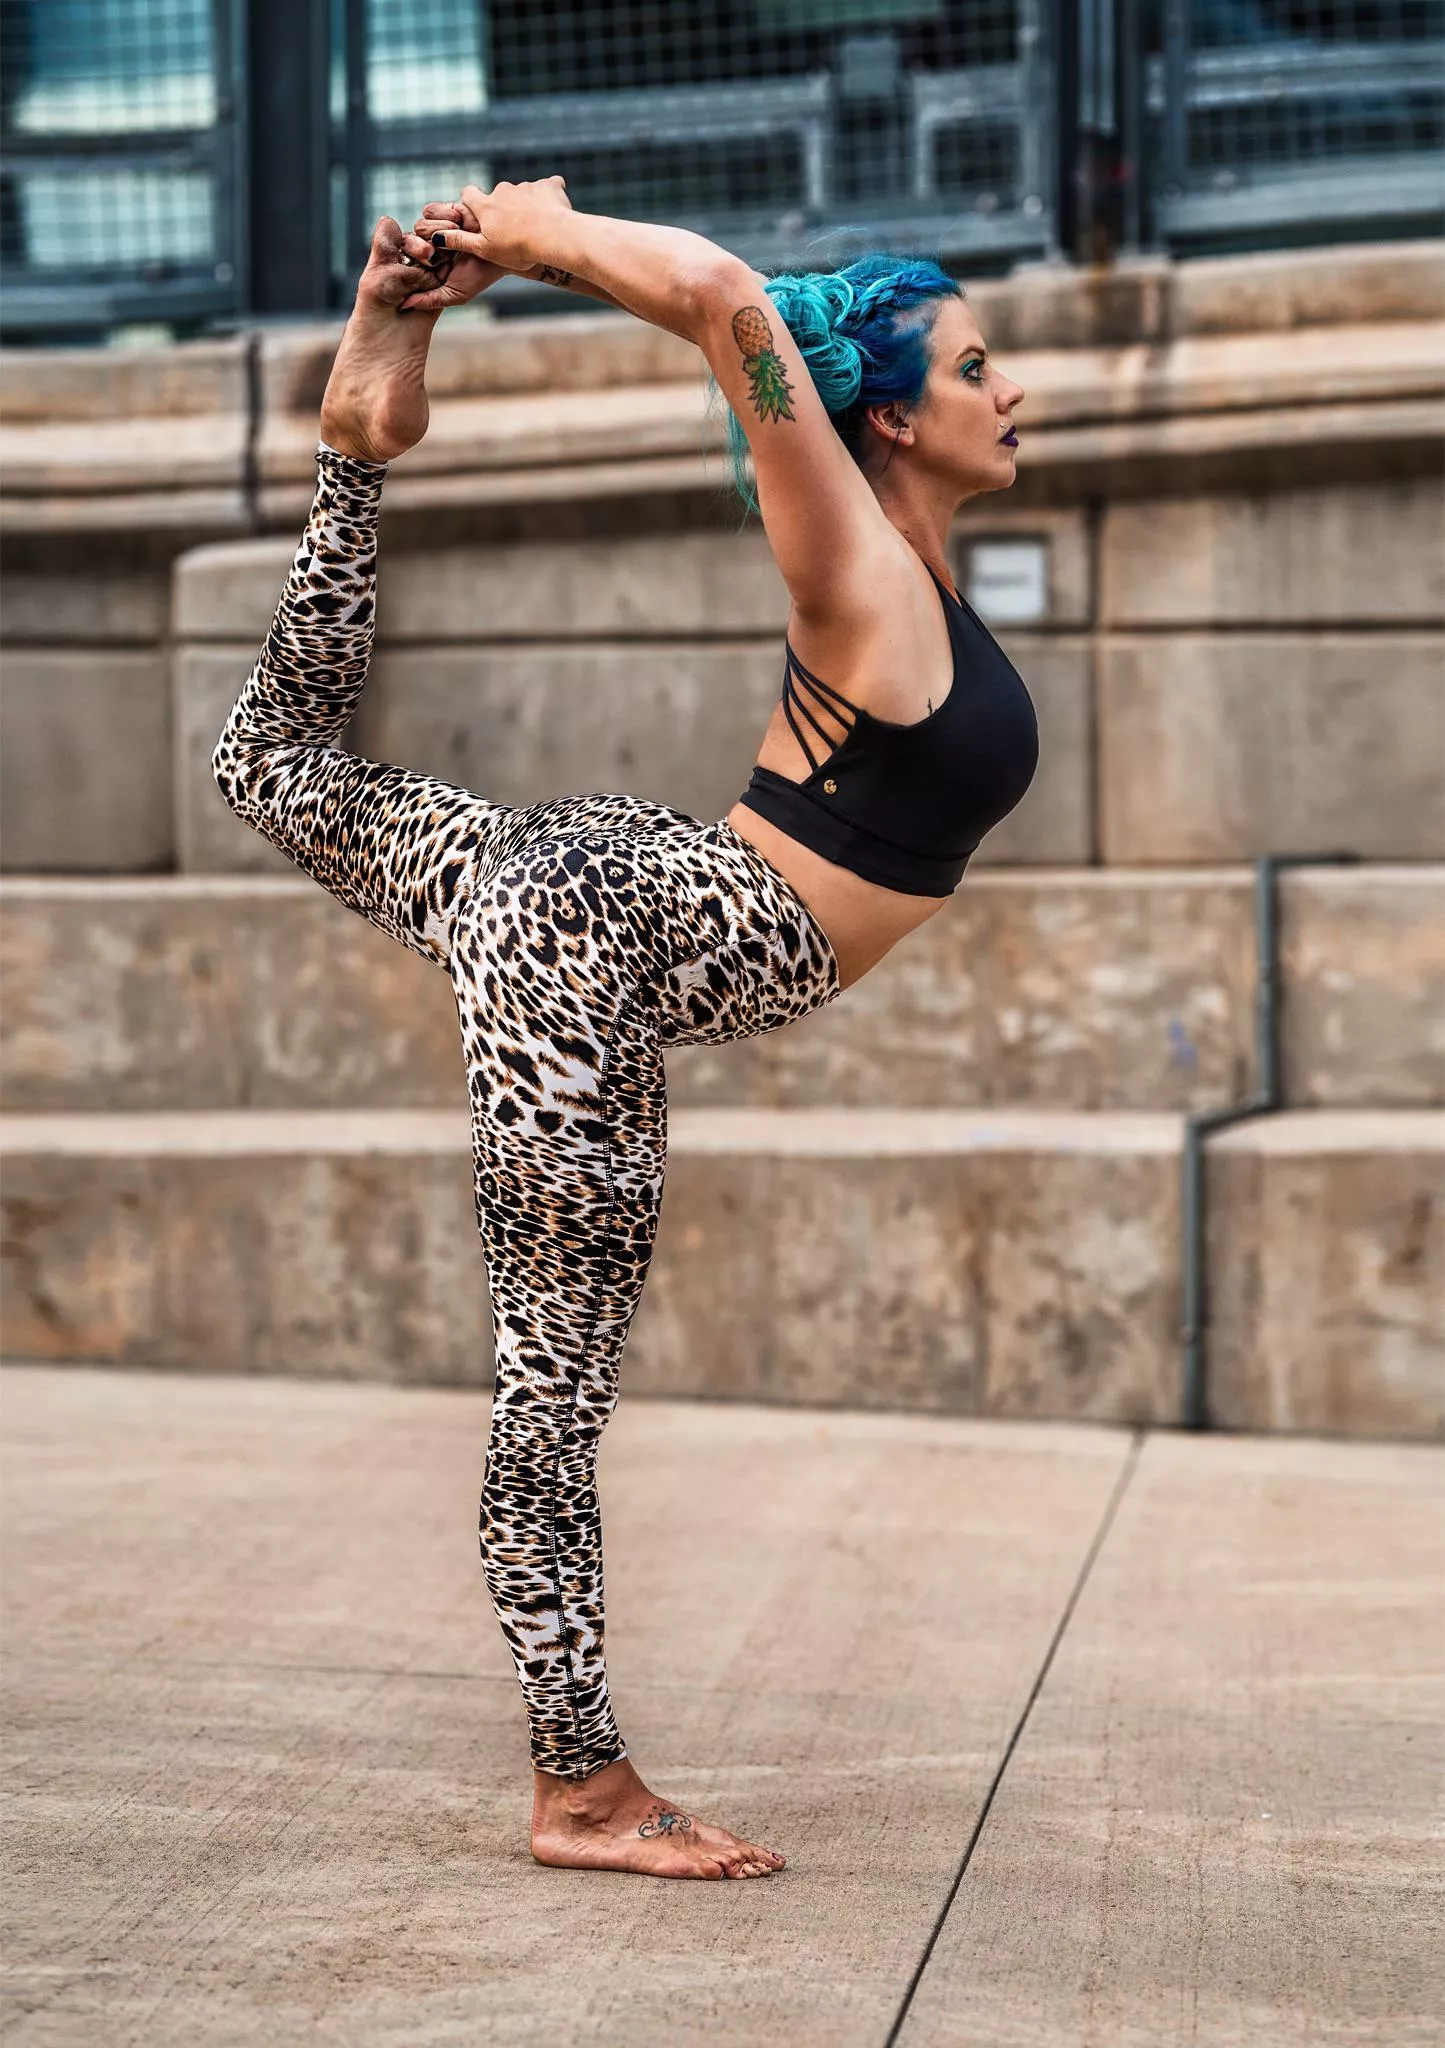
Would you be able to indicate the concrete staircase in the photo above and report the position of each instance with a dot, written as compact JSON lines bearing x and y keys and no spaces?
{"x":232,"y":1112}
{"x":234,"y":1140}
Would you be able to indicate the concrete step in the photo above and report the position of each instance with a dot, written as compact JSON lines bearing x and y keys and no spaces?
{"x":1074,"y":988}
{"x":1001,"y":1262}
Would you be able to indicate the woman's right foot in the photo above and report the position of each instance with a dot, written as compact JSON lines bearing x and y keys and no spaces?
{"x":376,"y":404}
{"x":610,"y":1821}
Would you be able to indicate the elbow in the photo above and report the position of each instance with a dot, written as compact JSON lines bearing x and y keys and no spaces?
{"x":717,"y":288}
{"x":727,"y":282}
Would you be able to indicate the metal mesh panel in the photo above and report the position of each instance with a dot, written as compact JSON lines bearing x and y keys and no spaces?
{"x":790,"y":131}
{"x":110,"y":111}
{"x":793,"y":131}
{"x":1284,"y":117}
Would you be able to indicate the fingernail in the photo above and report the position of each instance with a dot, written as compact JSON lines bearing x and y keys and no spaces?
{"x":439,"y":241}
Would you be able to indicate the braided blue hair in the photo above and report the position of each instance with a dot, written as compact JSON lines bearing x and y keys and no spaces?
{"x":857,"y":339}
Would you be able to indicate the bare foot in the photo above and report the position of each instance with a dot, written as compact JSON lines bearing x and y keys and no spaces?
{"x":611,"y":1821}
{"x":376,"y":404}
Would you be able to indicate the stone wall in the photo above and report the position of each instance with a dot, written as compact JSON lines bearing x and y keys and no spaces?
{"x":1234,"y":466}
{"x":232,"y":1121}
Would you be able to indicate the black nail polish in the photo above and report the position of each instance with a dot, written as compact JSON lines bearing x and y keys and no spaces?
{"x":439,"y":241}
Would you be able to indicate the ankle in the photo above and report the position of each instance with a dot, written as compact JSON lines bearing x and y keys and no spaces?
{"x":584,"y":1802}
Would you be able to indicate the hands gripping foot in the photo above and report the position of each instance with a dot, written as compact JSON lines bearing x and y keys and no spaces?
{"x":376,"y":404}
{"x":611,"y":1821}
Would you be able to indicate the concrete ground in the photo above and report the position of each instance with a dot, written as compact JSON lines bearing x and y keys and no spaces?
{"x":1071,"y":1737}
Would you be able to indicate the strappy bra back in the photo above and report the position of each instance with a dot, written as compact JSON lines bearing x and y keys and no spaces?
{"x":800,"y":685}
{"x":906,"y":805}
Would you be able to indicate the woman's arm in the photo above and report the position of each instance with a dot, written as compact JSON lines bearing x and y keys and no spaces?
{"x":524,"y":229}
{"x":828,"y":533}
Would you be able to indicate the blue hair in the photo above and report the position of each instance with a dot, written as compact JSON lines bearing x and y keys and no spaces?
{"x":860,"y":337}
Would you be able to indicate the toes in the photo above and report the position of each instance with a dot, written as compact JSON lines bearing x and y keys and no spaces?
{"x":416,"y":250}
{"x":386,"y":239}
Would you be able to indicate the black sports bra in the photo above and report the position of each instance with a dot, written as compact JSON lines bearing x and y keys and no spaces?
{"x":906,"y":805}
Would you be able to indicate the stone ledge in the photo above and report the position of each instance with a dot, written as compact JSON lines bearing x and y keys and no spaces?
{"x":1327,"y":1274}
{"x":177,"y":382}
{"x":346,"y":1246}
{"x":1075,"y":988}
{"x":1015,"y":1264}
{"x":1144,"y":299}
{"x":1192,"y":399}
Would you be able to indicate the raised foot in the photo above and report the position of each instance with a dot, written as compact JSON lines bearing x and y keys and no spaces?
{"x":611,"y":1821}
{"x":376,"y":404}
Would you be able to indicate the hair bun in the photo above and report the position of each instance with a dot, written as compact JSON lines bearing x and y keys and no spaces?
{"x":887,"y":294}
{"x":858,"y":348}
{"x":814,"y":304}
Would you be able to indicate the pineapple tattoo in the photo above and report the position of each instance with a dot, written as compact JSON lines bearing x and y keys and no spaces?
{"x":768,"y":386}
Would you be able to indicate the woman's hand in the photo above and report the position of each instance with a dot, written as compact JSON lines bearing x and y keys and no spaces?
{"x":455,"y":277}
{"x":472,"y":274}
{"x":507,"y":227}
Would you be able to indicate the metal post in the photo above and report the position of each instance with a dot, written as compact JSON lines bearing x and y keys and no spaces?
{"x":1070,"y":31}
{"x":1131,"y":125}
{"x":356,"y":138}
{"x":1176,"y":97}
{"x":289,"y":212}
{"x":1037,"y":176}
{"x":1098,"y":158}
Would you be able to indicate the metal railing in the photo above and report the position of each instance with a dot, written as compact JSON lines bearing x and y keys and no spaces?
{"x":789,"y":133}
{"x":197,"y":162}
{"x":1299,"y":119}
{"x":119,"y":163}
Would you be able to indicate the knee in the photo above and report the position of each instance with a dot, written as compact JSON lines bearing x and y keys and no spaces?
{"x":225,"y":769}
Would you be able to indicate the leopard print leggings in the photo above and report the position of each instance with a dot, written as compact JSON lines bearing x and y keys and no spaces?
{"x":582,"y":937}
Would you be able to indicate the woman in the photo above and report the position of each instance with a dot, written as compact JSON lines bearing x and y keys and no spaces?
{"x":584,"y":936}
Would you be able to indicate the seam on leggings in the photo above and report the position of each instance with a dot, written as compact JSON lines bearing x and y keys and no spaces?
{"x":576,"y":1388}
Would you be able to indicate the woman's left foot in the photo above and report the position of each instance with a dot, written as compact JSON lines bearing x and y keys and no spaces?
{"x":376,"y":404}
{"x":610,"y":1821}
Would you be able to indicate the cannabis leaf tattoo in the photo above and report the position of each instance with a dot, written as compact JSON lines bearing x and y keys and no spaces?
{"x":768,"y":386}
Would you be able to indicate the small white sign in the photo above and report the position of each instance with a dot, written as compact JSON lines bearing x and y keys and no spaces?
{"x":1008,"y":580}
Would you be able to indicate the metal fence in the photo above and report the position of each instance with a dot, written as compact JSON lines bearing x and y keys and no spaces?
{"x":789,"y":131}
{"x":200,"y":161}
{"x":1285,"y":120}
{"x":118,"y":156}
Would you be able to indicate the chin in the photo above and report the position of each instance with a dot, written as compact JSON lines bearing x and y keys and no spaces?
{"x":1000,"y":479}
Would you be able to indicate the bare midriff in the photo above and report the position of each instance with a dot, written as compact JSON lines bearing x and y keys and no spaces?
{"x":860,"y":920}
